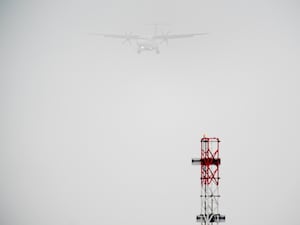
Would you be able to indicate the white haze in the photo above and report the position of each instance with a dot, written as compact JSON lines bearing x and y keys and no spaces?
{"x":93,"y":133}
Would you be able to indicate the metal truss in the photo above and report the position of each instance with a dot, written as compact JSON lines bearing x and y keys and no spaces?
{"x":209,"y":165}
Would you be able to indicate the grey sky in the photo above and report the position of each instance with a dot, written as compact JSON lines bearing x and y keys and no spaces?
{"x":93,"y":133}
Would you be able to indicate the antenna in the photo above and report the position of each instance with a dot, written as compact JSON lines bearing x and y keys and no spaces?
{"x":209,"y":169}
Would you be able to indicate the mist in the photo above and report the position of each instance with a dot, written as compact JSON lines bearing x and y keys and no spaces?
{"x":94,"y":133}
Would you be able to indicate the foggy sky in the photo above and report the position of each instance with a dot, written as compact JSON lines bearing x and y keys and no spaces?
{"x":93,"y":133}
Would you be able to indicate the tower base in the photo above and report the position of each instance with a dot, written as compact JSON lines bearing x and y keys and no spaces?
{"x":210,"y":218}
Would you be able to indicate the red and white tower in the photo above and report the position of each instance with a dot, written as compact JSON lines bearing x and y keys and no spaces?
{"x":209,"y":164}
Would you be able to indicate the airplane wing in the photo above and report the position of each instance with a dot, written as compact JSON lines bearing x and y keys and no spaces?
{"x":125,"y":36}
{"x":175,"y":36}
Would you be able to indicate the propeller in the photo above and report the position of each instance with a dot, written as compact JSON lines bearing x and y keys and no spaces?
{"x":128,"y":38}
{"x":165,"y":39}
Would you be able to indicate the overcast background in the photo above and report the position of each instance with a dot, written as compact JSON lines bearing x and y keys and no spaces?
{"x":94,"y":133}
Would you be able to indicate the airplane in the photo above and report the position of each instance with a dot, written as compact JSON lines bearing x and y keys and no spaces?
{"x":150,"y":43}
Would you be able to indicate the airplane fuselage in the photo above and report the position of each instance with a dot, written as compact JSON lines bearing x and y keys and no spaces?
{"x":148,"y":44}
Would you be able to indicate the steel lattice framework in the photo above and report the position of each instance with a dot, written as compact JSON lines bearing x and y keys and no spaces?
{"x":209,"y":165}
